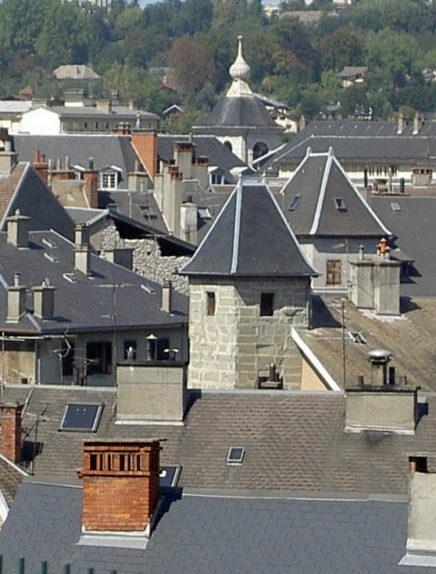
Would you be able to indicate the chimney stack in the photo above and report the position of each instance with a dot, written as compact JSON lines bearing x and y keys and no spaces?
{"x":90,"y":185}
{"x":120,"y":486}
{"x":8,"y":157}
{"x":18,"y":230}
{"x":166,"y":296}
{"x":379,"y":359}
{"x":82,"y":250}
{"x":401,"y":124}
{"x":43,"y":300}
{"x":11,"y":431}
{"x":16,"y":300}
{"x":421,"y":527}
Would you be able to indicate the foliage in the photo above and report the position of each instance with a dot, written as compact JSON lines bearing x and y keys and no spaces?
{"x":290,"y":61}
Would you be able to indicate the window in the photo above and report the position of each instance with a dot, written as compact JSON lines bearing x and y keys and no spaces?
{"x":67,"y":355}
{"x":99,"y":358}
{"x":158,"y":349}
{"x":81,"y":417}
{"x":266,"y":304}
{"x":216,"y":179}
{"x":108,"y":180}
{"x":130,"y":350}
{"x":340,"y":204}
{"x":235,"y":455}
{"x":259,"y":149}
{"x":334,"y":272}
{"x":294,"y":202}
{"x":211,"y":303}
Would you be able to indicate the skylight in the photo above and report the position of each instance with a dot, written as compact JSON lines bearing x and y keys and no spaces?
{"x":81,"y":417}
{"x":395,"y":206}
{"x":204,"y":213}
{"x":294,"y":202}
{"x":340,"y":204}
{"x":235,"y":455}
{"x":357,"y":337}
{"x":51,"y":257}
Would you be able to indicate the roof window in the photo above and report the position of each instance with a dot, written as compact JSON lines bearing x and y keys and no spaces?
{"x":340,"y":204}
{"x":51,"y":257}
{"x":235,"y":455}
{"x":395,"y":206}
{"x":294,"y":202}
{"x":81,"y":417}
{"x":357,"y":337}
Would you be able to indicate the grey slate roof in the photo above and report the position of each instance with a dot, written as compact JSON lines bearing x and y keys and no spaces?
{"x":199,"y":534}
{"x":23,"y":189}
{"x":208,"y":146}
{"x":119,"y":112}
{"x":359,"y":141}
{"x":81,"y":304}
{"x":245,"y":111}
{"x":413,"y":226}
{"x":105,"y":149}
{"x":321,"y":181}
{"x":11,"y":477}
{"x":249,"y":238}
{"x":293,"y":440}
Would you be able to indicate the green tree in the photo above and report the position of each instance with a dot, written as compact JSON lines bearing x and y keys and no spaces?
{"x":193,"y":65}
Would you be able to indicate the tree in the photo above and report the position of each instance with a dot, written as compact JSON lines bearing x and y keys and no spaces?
{"x":193,"y":65}
{"x":344,"y":47}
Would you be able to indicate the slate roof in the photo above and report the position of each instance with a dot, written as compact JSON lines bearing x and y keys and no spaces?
{"x":105,"y":149}
{"x":329,"y":204}
{"x":81,"y":302}
{"x":75,"y":72}
{"x":14,"y":106}
{"x":23,"y":189}
{"x":358,"y":141}
{"x":119,"y":112}
{"x":245,"y":111}
{"x":208,"y":146}
{"x":250,"y":238}
{"x":215,"y":534}
{"x":11,"y":477}
{"x":413,"y":226}
{"x":417,"y":324}
{"x":293,"y":440}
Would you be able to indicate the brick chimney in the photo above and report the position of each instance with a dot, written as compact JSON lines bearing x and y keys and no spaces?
{"x":145,"y":145}
{"x":40,"y":165}
{"x":18,"y":230}
{"x":90,"y":185}
{"x":43,"y":300}
{"x":10,"y":414}
{"x":120,"y":485}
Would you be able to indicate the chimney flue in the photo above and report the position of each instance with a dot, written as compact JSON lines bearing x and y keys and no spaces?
{"x":379,"y":359}
{"x":166,"y":296}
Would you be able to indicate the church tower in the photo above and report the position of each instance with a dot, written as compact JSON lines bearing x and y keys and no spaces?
{"x":240,"y":119}
{"x":249,"y":284}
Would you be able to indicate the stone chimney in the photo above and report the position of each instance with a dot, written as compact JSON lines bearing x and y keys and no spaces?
{"x":90,"y":185}
{"x":383,"y":404}
{"x":16,"y":300}
{"x":375,"y":281}
{"x":120,"y":486}
{"x":82,"y":250}
{"x":401,"y":124}
{"x":183,"y":154}
{"x":18,"y":230}
{"x":121,"y":256}
{"x":8,"y":157}
{"x":421,"y":527}
{"x":417,"y":123}
{"x":189,"y":222}
{"x":10,"y":414}
{"x":104,"y":105}
{"x":43,"y":300}
{"x":166,"y":296}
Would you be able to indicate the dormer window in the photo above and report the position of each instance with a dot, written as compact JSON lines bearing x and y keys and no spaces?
{"x":108,"y":180}
{"x":294,"y":202}
{"x":340,"y":204}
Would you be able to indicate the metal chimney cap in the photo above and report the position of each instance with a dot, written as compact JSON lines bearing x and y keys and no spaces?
{"x":379,"y":354}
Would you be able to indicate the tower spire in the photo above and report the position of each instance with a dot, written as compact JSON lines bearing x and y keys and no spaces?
{"x":240,"y":70}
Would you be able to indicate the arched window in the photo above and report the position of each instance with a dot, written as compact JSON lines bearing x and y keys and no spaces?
{"x":228,"y":145}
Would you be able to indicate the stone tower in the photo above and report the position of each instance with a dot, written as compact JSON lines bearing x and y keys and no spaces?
{"x":249,"y":284}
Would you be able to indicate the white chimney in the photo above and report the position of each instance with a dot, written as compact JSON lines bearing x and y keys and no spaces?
{"x":18,"y":230}
{"x":16,"y":300}
{"x":43,"y":300}
{"x":82,"y":250}
{"x":166,"y":296}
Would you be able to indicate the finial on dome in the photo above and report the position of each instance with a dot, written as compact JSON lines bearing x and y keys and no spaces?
{"x":240,"y":70}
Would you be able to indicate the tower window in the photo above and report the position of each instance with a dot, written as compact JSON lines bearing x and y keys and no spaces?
{"x":211,"y":303}
{"x":266,"y":304}
{"x":333,"y":272}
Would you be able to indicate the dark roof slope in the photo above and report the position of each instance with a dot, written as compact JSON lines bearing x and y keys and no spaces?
{"x":218,"y":534}
{"x":412,"y":221}
{"x":329,"y":204}
{"x":243,"y":111}
{"x":23,"y":189}
{"x":105,"y":150}
{"x":249,"y":238}
{"x":11,"y":477}
{"x":81,"y":302}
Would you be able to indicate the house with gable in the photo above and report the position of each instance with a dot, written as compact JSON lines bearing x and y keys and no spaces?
{"x":330,"y":218}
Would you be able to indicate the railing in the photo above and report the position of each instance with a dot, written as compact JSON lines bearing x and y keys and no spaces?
{"x":66,"y":569}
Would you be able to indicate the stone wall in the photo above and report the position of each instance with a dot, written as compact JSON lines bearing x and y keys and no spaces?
{"x":230,"y":348}
{"x":147,"y":259}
